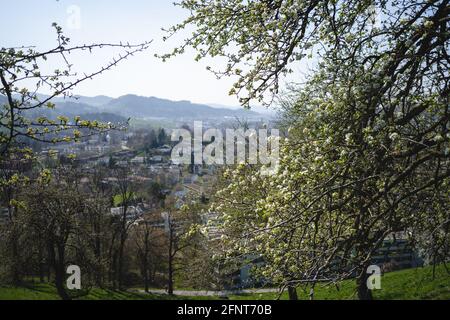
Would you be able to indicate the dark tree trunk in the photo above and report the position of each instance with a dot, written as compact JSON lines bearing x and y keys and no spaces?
{"x":58,"y":265}
{"x":41,"y":263}
{"x":113,"y":269}
{"x":145,"y":273}
{"x":170,"y":280}
{"x":14,"y":240}
{"x":171,"y":257}
{"x":41,"y":273}
{"x":98,"y":255}
{"x":59,"y":284}
{"x":15,"y":256}
{"x":146,"y":280}
{"x":123,"y":239}
{"x":363,"y":291}
{"x":49,"y":272}
{"x":153,"y":275}
{"x":292,"y":291}
{"x":434,"y":265}
{"x":120,"y":266}
{"x":112,"y":262}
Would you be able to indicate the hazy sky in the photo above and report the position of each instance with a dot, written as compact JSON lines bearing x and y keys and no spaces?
{"x":28,"y":22}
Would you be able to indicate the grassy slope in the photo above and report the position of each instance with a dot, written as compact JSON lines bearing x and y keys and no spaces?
{"x":45,"y":291}
{"x":406,"y":284}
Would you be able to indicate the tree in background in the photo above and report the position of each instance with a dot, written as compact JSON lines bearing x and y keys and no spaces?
{"x":11,"y":185}
{"x":125,"y":190}
{"x":149,"y":241}
{"x":52,"y":213}
{"x":21,"y":125}
{"x":163,"y":138}
{"x":97,"y":222}
{"x":181,"y":227}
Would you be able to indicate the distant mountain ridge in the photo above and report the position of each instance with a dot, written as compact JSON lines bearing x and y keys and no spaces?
{"x":141,"y":107}
{"x":152,"y":107}
{"x":93,"y":101}
{"x":71,"y":108}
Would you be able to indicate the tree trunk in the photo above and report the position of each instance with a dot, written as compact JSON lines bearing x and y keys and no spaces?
{"x":41,"y":263}
{"x":112,"y":262}
{"x":363,"y":291}
{"x":49,"y":272}
{"x":58,"y":266}
{"x":14,"y":240}
{"x":15,"y":257}
{"x":113,"y":269}
{"x":170,"y":276}
{"x":146,"y":259}
{"x":434,"y":266}
{"x":41,"y":272}
{"x":146,"y":280}
{"x":171,"y":257}
{"x":145,"y":273}
{"x":120,"y":265}
{"x":59,"y":283}
{"x":292,"y":291}
{"x":123,"y":239}
{"x":98,"y":255}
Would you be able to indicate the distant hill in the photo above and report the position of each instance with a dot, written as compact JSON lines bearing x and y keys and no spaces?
{"x":74,"y":108}
{"x":69,"y":109}
{"x":96,"y":101}
{"x":68,"y":106}
{"x":92,"y":101}
{"x":104,"y":117}
{"x":152,"y":107}
{"x":138,"y":107}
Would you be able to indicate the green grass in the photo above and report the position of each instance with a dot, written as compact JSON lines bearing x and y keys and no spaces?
{"x":31,"y":292}
{"x":47,"y":291}
{"x":118,"y":198}
{"x":408,"y":284}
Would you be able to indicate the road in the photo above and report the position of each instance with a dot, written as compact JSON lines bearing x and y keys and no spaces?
{"x":206,"y":293}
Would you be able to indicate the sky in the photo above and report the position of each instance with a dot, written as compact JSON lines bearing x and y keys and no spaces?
{"x":28,"y":22}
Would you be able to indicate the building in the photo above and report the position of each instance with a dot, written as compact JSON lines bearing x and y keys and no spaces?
{"x":138,"y":160}
{"x":133,"y":212}
{"x":4,"y":215}
{"x":165,"y":149}
{"x":156,"y":159}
